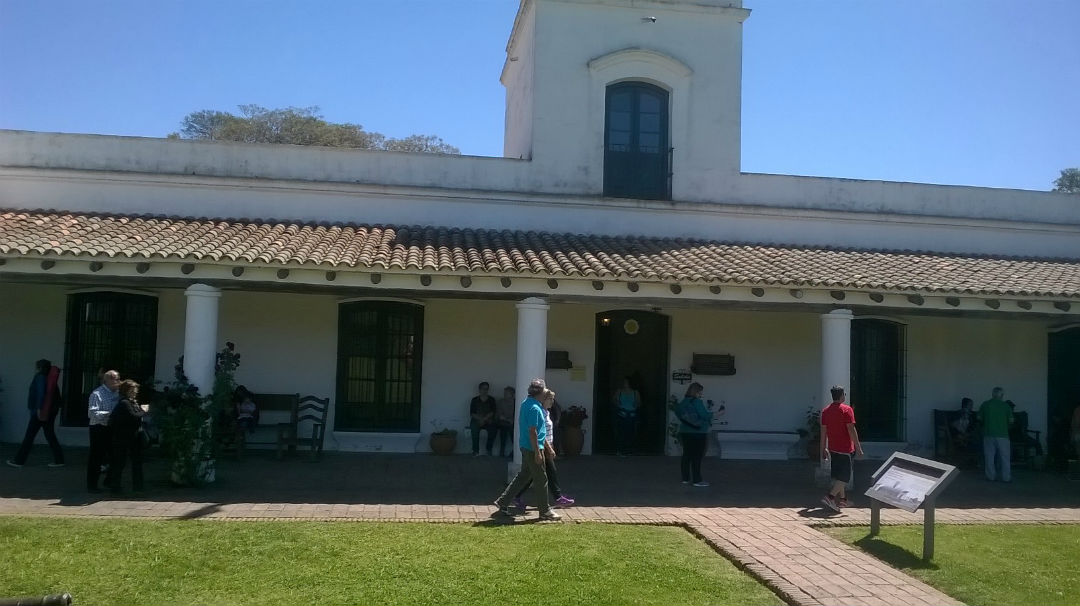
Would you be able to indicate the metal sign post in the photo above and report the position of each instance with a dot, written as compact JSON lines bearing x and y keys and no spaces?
{"x":909,"y":482}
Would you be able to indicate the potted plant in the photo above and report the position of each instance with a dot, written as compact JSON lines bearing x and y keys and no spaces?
{"x":812,"y":433}
{"x":186,"y":419}
{"x":443,"y":441}
{"x":573,"y":436}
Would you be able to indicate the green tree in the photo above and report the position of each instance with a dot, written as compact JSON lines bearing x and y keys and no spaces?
{"x":297,"y":126}
{"x":1068,"y":182}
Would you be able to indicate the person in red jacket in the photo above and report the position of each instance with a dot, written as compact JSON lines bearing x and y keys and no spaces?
{"x":44,"y":404}
{"x":839,"y":443}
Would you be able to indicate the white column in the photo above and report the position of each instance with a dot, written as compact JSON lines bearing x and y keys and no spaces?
{"x":200,"y":335}
{"x":836,"y":354}
{"x":835,"y":351}
{"x":531,"y":360}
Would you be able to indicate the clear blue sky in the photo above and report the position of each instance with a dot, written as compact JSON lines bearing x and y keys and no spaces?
{"x":972,"y":92}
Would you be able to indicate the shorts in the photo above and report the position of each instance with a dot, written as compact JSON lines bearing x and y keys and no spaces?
{"x":840,"y":462}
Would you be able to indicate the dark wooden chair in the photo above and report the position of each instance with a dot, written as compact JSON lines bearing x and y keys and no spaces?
{"x":310,"y":409}
{"x":1024,"y":442}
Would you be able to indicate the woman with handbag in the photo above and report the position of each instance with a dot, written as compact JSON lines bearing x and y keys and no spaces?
{"x":125,"y":428}
{"x":694,"y":423}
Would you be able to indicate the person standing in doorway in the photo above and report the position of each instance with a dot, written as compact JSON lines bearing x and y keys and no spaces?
{"x":532,"y":434}
{"x":839,"y":443}
{"x":102,"y":401}
{"x":695,"y":420}
{"x":43,"y":402}
{"x":125,"y":425}
{"x":996,"y":418}
{"x":482,"y":417}
{"x":627,"y":401}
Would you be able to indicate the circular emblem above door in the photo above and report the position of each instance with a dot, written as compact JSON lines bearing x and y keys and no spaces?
{"x":631,"y":326}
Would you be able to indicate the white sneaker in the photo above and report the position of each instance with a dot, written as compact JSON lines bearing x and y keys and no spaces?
{"x":12,"y":463}
{"x":56,"y":464}
{"x":702,"y":484}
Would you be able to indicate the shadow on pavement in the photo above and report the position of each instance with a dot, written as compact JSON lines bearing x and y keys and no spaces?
{"x":352,"y":478}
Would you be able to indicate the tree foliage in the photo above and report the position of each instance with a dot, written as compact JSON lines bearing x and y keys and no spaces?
{"x":1068,"y":182}
{"x":297,"y":126}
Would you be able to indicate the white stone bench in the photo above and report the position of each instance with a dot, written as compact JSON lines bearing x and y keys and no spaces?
{"x":751,"y":444}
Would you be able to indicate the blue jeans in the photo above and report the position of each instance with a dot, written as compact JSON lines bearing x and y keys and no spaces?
{"x":475,"y":431}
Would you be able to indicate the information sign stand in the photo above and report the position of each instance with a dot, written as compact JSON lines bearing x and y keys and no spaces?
{"x":909,"y":482}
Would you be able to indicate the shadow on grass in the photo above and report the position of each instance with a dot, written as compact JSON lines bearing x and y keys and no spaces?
{"x":893,"y":555}
{"x":498,"y":520}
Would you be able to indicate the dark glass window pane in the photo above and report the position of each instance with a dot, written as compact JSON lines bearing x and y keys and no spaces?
{"x":619,"y":121}
{"x":649,"y":143}
{"x":620,"y":102}
{"x":650,"y":103}
{"x":619,"y":141}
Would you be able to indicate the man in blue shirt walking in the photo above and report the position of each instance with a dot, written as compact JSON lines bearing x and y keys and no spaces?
{"x":532,"y":430}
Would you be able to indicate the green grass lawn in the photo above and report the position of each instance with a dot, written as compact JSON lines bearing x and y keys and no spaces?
{"x":984,"y":565}
{"x":203,"y":562}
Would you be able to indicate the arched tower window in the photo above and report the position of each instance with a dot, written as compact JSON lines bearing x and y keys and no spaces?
{"x":637,"y":142}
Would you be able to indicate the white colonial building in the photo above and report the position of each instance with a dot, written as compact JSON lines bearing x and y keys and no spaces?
{"x":618,"y":234}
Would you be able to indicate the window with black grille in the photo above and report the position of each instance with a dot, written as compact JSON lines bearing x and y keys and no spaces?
{"x":878,"y":379}
{"x":106,"y":331}
{"x":380,"y":348}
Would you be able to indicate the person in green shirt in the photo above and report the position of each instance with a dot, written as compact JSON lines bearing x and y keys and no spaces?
{"x":996,"y":417}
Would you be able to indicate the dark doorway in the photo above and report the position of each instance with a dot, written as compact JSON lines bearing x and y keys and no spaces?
{"x":877,"y":379}
{"x":1062,"y":389}
{"x":631,"y":344}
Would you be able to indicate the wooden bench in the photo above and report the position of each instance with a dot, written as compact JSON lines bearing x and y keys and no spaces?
{"x":273,"y":409}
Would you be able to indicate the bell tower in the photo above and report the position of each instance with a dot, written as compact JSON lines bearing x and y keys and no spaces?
{"x":627,"y":98}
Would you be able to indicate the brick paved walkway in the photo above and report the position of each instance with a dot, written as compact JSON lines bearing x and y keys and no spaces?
{"x":779,"y":544}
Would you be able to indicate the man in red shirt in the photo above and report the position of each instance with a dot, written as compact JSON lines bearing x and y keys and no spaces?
{"x":839,"y":442}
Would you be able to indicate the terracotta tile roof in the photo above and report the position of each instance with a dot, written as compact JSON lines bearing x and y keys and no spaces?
{"x":461,"y":251}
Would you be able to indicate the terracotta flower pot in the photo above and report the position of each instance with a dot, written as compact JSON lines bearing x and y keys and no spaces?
{"x":573,"y":438}
{"x":443,"y":443}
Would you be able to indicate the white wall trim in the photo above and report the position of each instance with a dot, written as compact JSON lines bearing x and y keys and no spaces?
{"x":416,"y":302}
{"x":641,"y":55}
{"x":893,"y":319}
{"x":126,"y":291}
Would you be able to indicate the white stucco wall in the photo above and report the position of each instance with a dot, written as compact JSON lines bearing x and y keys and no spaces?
{"x":288,"y":344}
{"x":705,"y":117}
{"x":31,"y":328}
{"x":949,"y":359}
{"x":518,"y":75}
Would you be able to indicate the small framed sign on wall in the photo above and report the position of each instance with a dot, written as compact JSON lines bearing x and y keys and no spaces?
{"x":713,"y":364}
